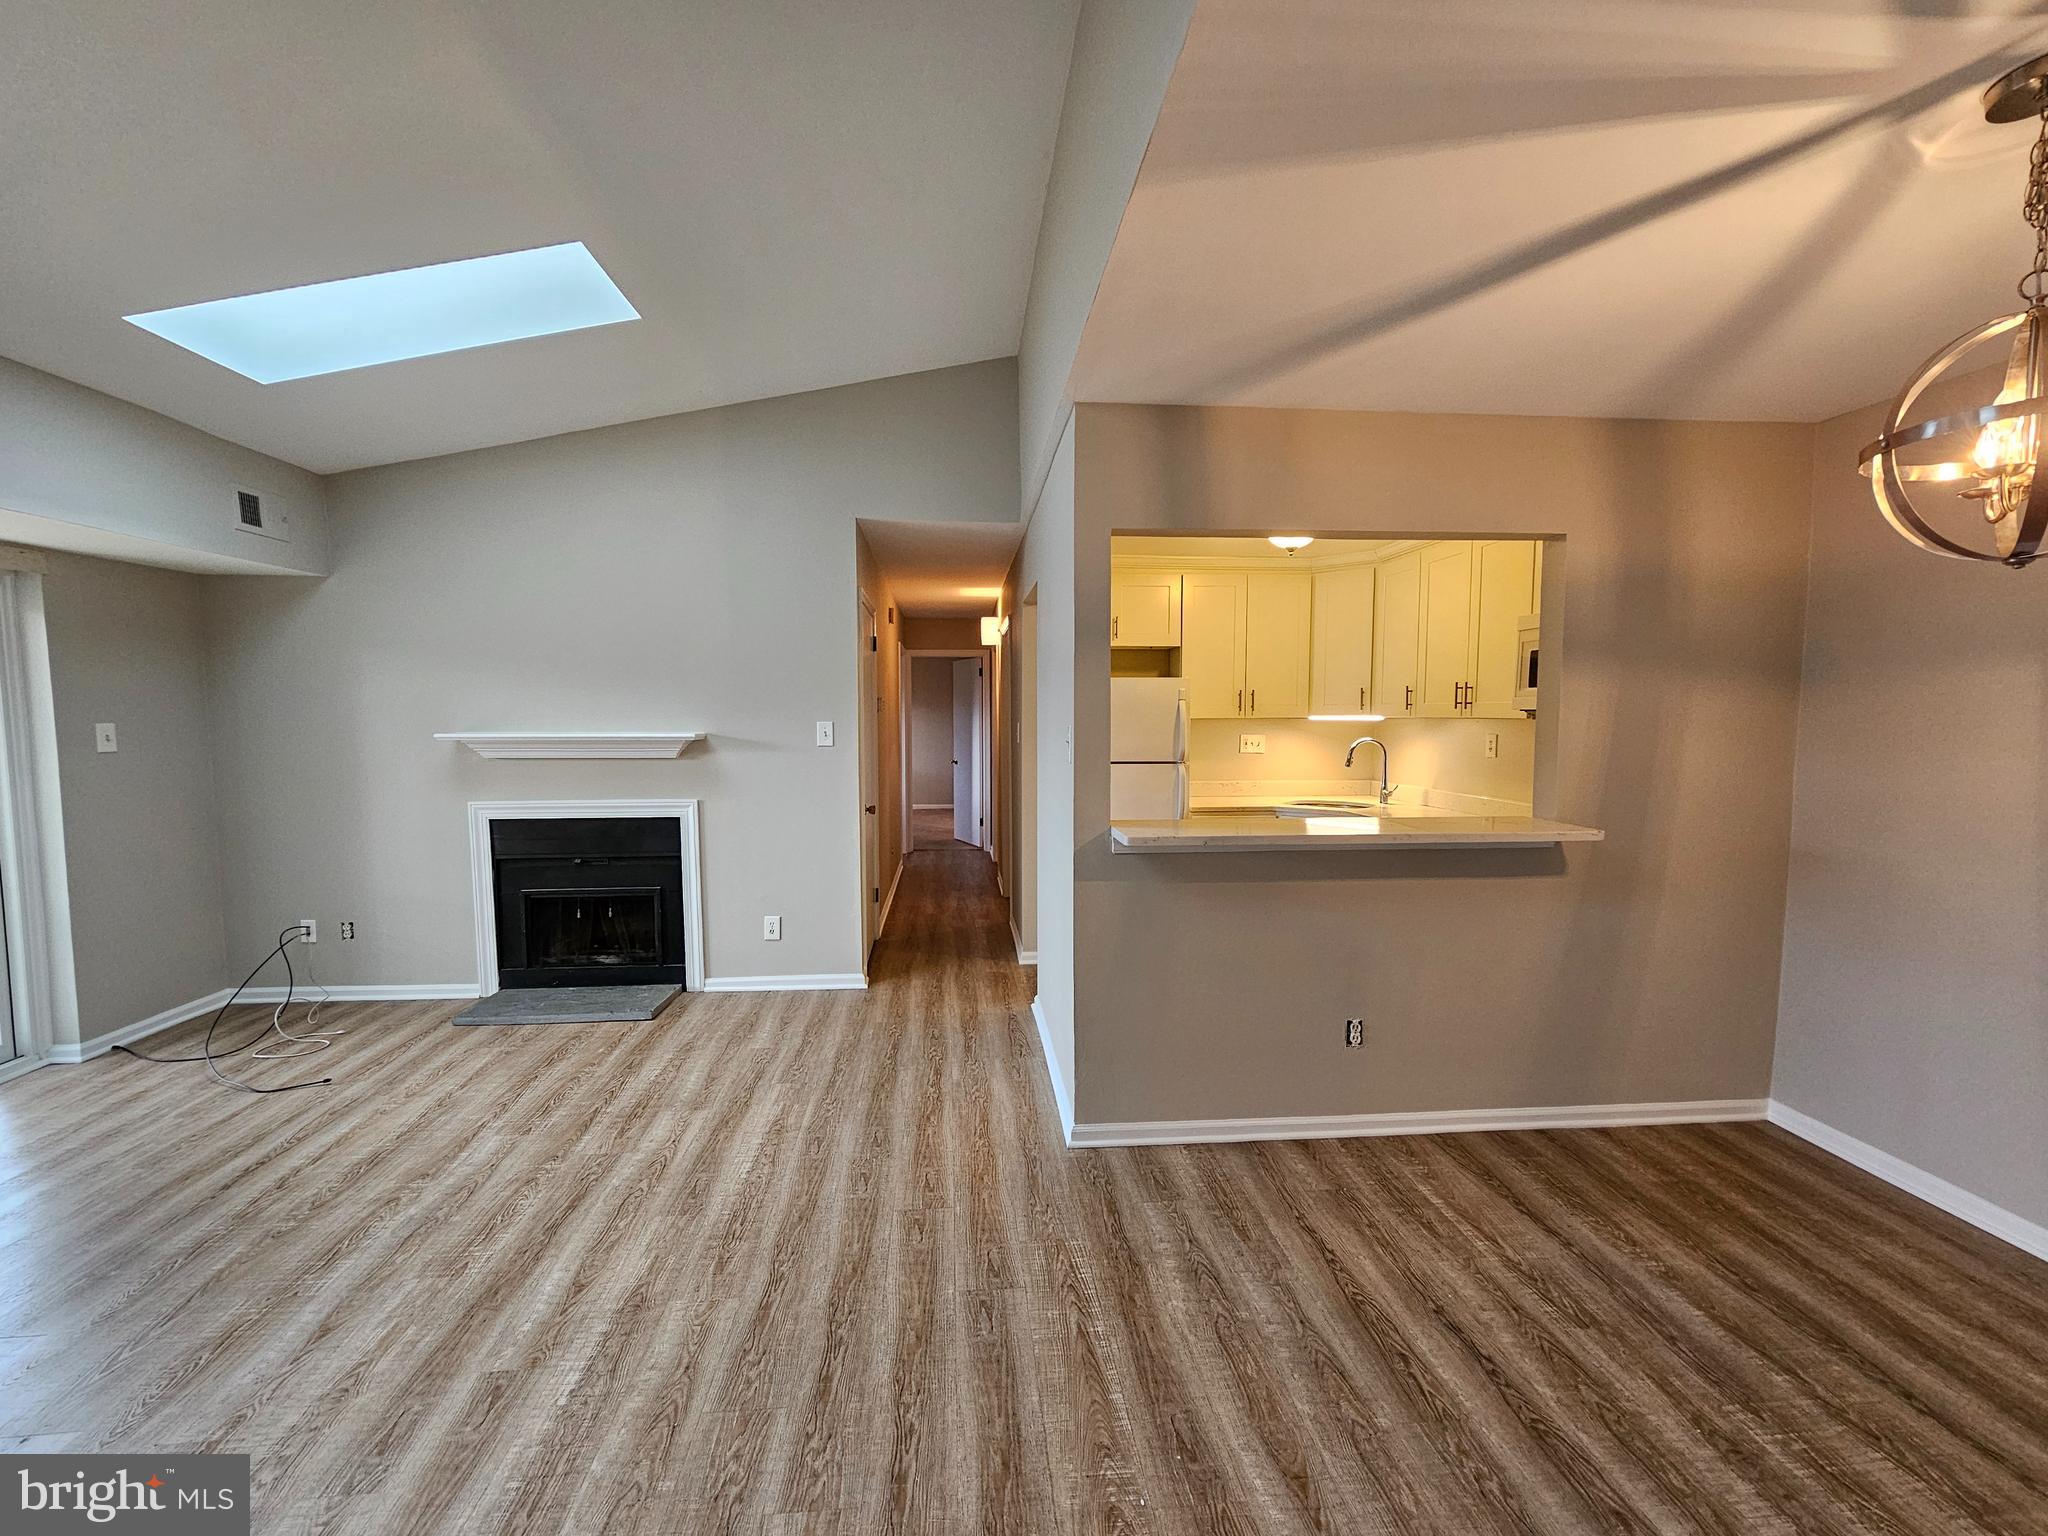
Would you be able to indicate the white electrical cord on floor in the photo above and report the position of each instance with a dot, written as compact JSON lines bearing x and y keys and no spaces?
{"x":312,"y":1040}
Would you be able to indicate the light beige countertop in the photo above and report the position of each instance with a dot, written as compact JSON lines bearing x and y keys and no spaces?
{"x":1403,"y":826}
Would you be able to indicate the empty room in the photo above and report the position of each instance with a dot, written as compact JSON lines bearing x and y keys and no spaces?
{"x":1050,"y":766}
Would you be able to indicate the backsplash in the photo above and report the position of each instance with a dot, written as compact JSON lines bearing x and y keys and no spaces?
{"x":1432,"y":754}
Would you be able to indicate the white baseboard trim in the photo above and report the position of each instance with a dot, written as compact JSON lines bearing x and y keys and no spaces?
{"x":1027,"y":957}
{"x":1052,"y":1071}
{"x":395,"y":992}
{"x":2027,"y":1236}
{"x":1148,"y":1133}
{"x":935,"y":805}
{"x":889,"y":901}
{"x":828,"y":981}
{"x":98,"y":1045}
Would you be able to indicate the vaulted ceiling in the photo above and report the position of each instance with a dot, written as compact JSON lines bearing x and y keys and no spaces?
{"x":793,"y":195}
{"x":1684,"y":208}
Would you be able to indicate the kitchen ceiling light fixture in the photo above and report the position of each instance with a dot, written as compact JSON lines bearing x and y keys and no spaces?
{"x":1290,"y":541}
{"x":1991,"y":453}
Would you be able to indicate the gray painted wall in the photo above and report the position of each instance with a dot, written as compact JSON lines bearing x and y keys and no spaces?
{"x":1915,"y":1006}
{"x":1640,"y":969}
{"x":83,"y":471}
{"x":931,"y":730}
{"x":1045,"y":563}
{"x":128,"y":646}
{"x":695,"y":572}
{"x":1124,"y":53}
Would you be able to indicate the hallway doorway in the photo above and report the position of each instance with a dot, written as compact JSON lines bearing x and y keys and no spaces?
{"x":946,"y":749}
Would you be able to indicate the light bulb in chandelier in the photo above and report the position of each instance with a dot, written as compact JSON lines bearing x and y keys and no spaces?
{"x":1950,"y":460}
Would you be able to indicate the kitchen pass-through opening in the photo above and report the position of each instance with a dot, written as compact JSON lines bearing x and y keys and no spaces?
{"x":1246,"y":668}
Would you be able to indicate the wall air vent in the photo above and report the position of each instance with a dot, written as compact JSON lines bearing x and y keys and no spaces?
{"x":252,"y":516}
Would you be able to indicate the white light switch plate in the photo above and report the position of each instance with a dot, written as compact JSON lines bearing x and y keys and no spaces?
{"x":824,"y":733}
{"x":1254,"y":744}
{"x":103,"y":739}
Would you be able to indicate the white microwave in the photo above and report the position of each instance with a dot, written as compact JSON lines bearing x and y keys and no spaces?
{"x":1527,"y":634}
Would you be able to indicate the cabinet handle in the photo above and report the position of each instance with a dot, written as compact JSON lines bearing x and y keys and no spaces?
{"x":1361,"y":701}
{"x":1255,"y":701}
{"x":1408,"y":697}
{"x":1240,"y":701}
{"x":1114,"y":622}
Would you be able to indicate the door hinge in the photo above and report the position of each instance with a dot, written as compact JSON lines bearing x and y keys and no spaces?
{"x":874,"y":643}
{"x":875,"y":894}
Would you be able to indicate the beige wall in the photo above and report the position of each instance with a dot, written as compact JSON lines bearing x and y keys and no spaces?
{"x":696,"y":572}
{"x":937,"y":634}
{"x":1020,"y":752}
{"x":141,"y":833}
{"x":931,"y":730}
{"x":85,"y":472}
{"x":1914,"y":990}
{"x":1641,"y":969}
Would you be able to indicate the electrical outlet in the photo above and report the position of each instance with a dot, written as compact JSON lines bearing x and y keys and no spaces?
{"x":1354,"y":1032}
{"x":348,"y":931}
{"x":312,"y":929}
{"x":1253,"y":744}
{"x":824,"y":733}
{"x":1493,"y":743}
{"x":103,"y":739}
{"x":771,"y":927}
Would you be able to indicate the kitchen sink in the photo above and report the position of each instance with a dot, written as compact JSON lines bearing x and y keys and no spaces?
{"x":1333,"y":808}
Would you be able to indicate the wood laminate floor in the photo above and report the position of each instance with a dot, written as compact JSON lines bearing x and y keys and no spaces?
{"x":933,"y":829}
{"x":818,"y":1263}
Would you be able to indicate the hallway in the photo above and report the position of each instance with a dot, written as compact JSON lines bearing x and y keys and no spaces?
{"x":818,"y":1262}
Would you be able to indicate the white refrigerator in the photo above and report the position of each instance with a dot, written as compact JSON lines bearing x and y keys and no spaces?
{"x":1148,"y":749}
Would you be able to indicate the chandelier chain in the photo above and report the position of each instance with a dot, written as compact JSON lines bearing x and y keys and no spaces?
{"x":2034,"y":286}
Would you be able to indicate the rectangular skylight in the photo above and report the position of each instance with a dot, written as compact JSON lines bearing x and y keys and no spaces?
{"x":355,"y":322}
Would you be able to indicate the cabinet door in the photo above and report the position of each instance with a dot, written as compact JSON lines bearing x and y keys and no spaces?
{"x":1212,"y":614}
{"x":1144,"y":608}
{"x":1276,"y":644}
{"x":1340,"y":651}
{"x":1503,"y":592}
{"x":1397,"y":628}
{"x":1446,"y":662}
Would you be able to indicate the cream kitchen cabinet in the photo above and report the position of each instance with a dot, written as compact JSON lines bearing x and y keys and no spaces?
{"x":1503,"y":593}
{"x":1244,"y":650}
{"x":1396,"y":635}
{"x":1276,"y":645}
{"x":1471,"y":599}
{"x":1144,"y":608}
{"x":1340,"y":645}
{"x":1212,"y":643}
{"x":1444,"y":649}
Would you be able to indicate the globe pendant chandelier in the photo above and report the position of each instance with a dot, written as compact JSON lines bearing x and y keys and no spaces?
{"x":1956,"y":475}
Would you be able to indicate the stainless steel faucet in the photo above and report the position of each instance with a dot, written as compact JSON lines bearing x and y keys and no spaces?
{"x":1383,"y":761}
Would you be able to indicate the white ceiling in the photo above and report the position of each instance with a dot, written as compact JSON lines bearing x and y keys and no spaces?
{"x":1616,"y":207}
{"x":794,"y":195}
{"x":943,"y":570}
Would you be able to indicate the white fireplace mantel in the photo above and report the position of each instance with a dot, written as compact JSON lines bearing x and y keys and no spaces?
{"x":585,"y":744}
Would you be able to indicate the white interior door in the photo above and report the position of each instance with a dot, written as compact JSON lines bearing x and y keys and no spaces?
{"x":966,"y":767}
{"x":870,"y":809}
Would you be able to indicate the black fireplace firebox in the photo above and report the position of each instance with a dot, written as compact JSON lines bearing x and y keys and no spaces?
{"x":587,"y":902}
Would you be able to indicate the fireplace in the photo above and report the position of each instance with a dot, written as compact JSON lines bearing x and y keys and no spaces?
{"x":587,"y":901}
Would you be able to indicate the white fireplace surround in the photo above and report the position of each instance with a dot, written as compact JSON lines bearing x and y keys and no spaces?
{"x":483,"y":887}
